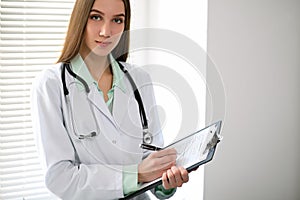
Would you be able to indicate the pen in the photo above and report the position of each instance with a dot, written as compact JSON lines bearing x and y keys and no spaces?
{"x":150,"y":147}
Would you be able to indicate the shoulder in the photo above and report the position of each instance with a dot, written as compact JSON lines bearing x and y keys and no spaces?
{"x":48,"y":77}
{"x":138,"y":73}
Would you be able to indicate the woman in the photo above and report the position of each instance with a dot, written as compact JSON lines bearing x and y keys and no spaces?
{"x":90,"y":133}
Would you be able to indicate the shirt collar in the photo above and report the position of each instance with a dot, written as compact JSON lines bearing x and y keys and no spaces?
{"x":79,"y":67}
{"x":118,"y":74}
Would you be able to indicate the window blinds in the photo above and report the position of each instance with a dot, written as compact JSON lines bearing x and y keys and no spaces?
{"x":32,"y":33}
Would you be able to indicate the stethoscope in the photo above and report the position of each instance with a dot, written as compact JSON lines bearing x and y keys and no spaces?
{"x":147,"y":136}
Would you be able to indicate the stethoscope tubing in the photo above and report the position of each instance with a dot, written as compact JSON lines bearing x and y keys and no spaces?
{"x":147,"y":137}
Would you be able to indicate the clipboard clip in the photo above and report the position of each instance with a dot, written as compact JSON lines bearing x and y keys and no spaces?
{"x":213,"y":142}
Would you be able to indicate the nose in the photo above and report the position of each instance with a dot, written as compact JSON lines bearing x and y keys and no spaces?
{"x":105,"y":30}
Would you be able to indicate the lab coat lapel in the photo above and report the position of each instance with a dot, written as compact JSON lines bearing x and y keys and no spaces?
{"x":98,"y":101}
{"x":121,"y":105}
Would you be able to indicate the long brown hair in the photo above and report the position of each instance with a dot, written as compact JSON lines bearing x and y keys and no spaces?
{"x":76,"y":29}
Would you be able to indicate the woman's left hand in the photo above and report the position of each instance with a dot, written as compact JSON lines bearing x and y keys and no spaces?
{"x":175,"y":177}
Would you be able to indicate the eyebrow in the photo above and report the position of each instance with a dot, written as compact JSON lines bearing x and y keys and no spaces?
{"x":117,"y":15}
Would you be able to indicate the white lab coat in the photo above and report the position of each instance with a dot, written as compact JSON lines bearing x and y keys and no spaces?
{"x":102,"y":158}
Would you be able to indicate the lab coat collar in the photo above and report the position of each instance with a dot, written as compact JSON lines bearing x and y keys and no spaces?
{"x":118,"y":78}
{"x":122,"y":102}
{"x":121,"y":105}
{"x":121,"y":95}
{"x":96,"y":98}
{"x":80,"y":68}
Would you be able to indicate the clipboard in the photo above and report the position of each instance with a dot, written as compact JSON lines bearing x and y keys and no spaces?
{"x":204,"y":142}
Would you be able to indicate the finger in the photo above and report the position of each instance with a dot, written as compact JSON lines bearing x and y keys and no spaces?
{"x":158,"y":168}
{"x":184,"y":174}
{"x":163,"y":162}
{"x":171,"y":178}
{"x":166,"y":159}
{"x":165,"y":166}
{"x":165,"y":152}
{"x":165,"y":181}
{"x":177,"y":175}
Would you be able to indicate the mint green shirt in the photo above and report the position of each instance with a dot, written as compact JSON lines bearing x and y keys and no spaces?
{"x":130,"y":172}
{"x":81,"y":69}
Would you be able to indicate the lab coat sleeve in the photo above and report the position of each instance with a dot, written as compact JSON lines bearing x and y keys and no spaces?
{"x":63,"y":178}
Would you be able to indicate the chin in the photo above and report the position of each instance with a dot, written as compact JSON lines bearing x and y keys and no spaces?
{"x":101,"y":52}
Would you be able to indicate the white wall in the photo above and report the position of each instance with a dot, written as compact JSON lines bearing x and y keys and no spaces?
{"x":256,"y":46}
{"x":190,"y":20}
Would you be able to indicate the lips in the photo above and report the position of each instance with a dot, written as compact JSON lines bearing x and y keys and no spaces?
{"x":103,"y":43}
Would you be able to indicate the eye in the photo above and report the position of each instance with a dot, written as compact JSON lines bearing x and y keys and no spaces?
{"x":118,"y":20}
{"x":95,"y":17}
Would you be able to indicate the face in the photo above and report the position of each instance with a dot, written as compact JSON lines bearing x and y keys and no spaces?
{"x":104,"y":27}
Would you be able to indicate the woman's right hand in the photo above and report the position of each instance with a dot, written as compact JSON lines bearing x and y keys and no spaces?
{"x":156,"y":164}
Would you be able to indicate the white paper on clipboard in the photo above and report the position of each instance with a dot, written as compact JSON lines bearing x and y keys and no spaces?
{"x":194,"y":148}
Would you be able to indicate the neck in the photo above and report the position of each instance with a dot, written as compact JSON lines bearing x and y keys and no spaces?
{"x":97,"y":65}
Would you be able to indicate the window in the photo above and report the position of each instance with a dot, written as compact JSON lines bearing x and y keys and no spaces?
{"x":31,"y":36}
